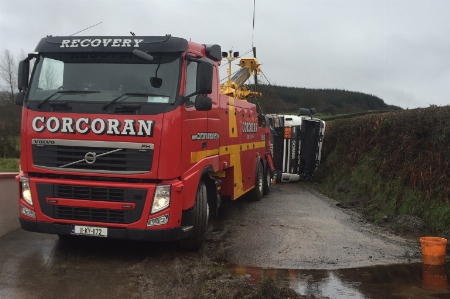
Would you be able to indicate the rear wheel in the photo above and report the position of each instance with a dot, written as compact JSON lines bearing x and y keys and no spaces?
{"x":267,"y":181}
{"x":257,"y":192}
{"x":201,"y":211}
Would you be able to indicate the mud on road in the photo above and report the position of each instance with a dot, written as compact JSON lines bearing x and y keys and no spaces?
{"x":292,"y":228}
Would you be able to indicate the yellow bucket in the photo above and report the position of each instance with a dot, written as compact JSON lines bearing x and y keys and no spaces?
{"x":433,"y":250}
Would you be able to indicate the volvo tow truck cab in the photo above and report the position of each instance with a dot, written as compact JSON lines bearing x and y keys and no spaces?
{"x":132,"y":138}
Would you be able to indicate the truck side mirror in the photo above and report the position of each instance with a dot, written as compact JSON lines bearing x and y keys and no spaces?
{"x":24,"y":72}
{"x":20,"y":96}
{"x":203,"y":103}
{"x":204,"y":77}
{"x":304,"y":111}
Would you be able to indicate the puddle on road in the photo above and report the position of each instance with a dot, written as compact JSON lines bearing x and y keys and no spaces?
{"x":413,"y":281}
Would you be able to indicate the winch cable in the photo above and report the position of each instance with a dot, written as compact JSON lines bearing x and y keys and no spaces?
{"x":255,"y":72}
{"x":253,"y":30}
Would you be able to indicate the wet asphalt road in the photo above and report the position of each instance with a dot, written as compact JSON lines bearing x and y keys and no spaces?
{"x":292,"y":228}
{"x":298,"y":228}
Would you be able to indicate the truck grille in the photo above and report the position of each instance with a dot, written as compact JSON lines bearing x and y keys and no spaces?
{"x":92,"y":156}
{"x":91,"y":193}
{"x":286,"y":150}
{"x":101,"y":194}
{"x":95,"y":215}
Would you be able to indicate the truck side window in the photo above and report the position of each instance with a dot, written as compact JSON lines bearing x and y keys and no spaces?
{"x":191,"y":81}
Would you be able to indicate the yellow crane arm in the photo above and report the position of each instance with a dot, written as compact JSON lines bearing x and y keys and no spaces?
{"x":234,"y":87}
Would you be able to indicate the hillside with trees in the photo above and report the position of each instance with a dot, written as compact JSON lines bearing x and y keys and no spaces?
{"x":283,"y":99}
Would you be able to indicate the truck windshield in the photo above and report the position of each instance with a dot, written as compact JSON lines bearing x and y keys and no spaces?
{"x":102,"y":77}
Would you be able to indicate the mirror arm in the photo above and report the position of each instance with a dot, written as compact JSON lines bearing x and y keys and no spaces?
{"x":184,"y":99}
{"x":192,"y":94}
{"x":190,"y":58}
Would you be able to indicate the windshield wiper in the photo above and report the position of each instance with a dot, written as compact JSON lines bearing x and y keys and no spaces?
{"x":127,"y":94}
{"x":127,"y":108}
{"x":63,"y":92}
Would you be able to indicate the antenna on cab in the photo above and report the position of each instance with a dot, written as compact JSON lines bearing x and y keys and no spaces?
{"x":86,"y":29}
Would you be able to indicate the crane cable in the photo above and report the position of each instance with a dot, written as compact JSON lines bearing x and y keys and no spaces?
{"x":254,"y":54}
{"x":253,"y":30}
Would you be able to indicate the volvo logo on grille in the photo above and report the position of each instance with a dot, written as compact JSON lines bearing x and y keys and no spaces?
{"x":90,"y":157}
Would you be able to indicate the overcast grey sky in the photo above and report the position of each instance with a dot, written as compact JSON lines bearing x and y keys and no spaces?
{"x":397,"y":50}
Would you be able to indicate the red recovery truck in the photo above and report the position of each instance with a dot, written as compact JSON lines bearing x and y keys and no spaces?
{"x":131,"y":138}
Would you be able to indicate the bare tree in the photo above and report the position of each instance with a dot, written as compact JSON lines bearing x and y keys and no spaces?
{"x":48,"y":77}
{"x":8,"y":73}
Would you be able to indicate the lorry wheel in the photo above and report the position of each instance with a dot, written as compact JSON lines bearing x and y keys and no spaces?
{"x":201,"y":210}
{"x":267,"y":181}
{"x":257,"y":192}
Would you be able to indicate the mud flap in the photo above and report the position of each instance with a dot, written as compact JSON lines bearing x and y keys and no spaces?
{"x":270,"y":162}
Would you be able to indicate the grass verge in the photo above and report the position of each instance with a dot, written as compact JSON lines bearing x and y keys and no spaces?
{"x":9,"y":165}
{"x":379,"y":199}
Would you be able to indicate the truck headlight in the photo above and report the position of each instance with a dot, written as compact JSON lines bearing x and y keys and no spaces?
{"x":161,"y":200}
{"x":26,"y":190}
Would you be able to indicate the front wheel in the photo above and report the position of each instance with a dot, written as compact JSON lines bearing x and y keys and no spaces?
{"x":194,"y":241}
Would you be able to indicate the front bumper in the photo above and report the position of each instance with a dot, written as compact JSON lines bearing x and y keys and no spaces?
{"x":170,"y":234}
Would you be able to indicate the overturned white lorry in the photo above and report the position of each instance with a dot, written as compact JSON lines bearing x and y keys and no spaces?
{"x":296,"y":144}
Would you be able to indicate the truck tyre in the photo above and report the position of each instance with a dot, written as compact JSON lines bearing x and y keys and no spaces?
{"x":257,"y":192}
{"x":267,"y":181}
{"x":194,"y":241}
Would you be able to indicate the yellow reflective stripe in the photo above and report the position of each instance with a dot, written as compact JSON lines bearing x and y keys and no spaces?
{"x":231,"y":149}
{"x":235,"y":161}
{"x":232,"y":123}
{"x":197,"y":156}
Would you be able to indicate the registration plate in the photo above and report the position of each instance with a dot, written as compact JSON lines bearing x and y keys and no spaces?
{"x":95,"y":231}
